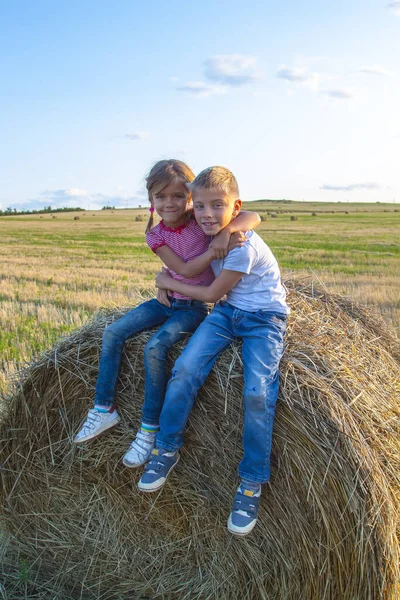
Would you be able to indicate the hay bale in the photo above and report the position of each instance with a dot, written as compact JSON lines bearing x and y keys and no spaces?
{"x":327,"y":524}
{"x":293,"y":218}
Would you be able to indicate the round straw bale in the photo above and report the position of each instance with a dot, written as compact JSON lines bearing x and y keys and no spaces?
{"x":75,"y":525}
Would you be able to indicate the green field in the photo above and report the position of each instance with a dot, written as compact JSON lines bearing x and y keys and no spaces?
{"x":56,"y":272}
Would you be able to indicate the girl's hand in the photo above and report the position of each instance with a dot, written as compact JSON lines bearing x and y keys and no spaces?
{"x":237,"y":240}
{"x":220,"y":244}
{"x":162,"y":297}
{"x":163,"y":279}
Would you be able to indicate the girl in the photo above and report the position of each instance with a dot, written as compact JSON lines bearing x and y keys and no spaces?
{"x":185,"y":249}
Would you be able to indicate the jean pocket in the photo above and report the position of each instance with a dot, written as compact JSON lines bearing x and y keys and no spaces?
{"x":271,"y":318}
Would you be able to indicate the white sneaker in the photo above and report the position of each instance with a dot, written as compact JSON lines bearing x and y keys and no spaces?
{"x":140,"y":449}
{"x":96,"y":423}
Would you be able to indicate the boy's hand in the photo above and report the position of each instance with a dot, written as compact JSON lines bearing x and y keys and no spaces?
{"x":237,"y":240}
{"x":163,"y":279}
{"x":162,"y":297}
{"x":220,"y":243}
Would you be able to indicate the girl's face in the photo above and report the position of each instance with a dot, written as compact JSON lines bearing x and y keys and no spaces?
{"x":172,"y":203}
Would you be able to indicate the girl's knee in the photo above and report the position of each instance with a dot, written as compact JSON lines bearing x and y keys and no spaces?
{"x":156,"y":349}
{"x":111,"y":337}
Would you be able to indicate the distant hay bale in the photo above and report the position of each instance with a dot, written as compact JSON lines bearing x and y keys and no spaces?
{"x":293,"y":218}
{"x":263,"y":217}
{"x":76,"y":218}
{"x":274,"y":215}
{"x":78,"y":528}
{"x":139,"y":218}
{"x":314,"y":214}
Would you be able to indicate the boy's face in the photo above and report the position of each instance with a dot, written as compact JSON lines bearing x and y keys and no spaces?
{"x":214,"y":209}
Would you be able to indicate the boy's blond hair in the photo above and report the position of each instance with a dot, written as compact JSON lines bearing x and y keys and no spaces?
{"x":217,"y":178}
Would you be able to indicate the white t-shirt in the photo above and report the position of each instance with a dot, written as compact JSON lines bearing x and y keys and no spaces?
{"x":260,"y":288}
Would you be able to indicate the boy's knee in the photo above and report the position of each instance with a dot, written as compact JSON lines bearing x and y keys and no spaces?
{"x":183,"y":368}
{"x":255,"y":400}
{"x":262,"y":393}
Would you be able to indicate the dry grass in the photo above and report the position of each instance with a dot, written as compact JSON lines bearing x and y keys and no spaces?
{"x":78,"y":527}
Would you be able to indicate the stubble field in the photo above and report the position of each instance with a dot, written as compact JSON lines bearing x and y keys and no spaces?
{"x":57,"y":272}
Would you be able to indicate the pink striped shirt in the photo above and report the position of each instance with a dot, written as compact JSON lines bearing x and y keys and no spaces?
{"x":187,"y":241}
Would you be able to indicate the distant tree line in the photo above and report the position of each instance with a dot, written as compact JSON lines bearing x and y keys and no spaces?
{"x":46,"y":209}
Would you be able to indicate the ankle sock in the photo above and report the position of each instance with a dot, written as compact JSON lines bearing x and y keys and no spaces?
{"x":250,"y":485}
{"x":103,"y":408}
{"x":149,"y":428}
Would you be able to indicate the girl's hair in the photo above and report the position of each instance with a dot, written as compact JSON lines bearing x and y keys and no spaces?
{"x":162,"y":174}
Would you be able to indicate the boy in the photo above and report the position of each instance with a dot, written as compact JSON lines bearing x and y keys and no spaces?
{"x":255,"y":311}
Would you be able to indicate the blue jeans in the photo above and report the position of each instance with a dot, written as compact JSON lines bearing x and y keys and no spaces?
{"x":262,"y":334}
{"x":182,"y":317}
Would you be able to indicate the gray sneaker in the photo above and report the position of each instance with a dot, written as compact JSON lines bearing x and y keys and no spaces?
{"x":140,"y":449}
{"x":244,"y":513}
{"x":157,"y":469}
{"x":96,"y":423}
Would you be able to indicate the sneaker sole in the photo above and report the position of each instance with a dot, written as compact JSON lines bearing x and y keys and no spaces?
{"x":241,"y":533}
{"x":160,"y":485}
{"x":93,"y":437}
{"x":134,"y":465}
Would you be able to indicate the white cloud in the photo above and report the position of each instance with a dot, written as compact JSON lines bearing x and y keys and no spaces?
{"x":394,"y":7}
{"x":352,"y":187}
{"x":65,"y":195}
{"x":376,"y":70}
{"x":199,"y":88}
{"x":76,"y":193}
{"x":300,"y":76}
{"x":232,"y":69}
{"x":76,"y":197}
{"x":139,"y":135}
{"x":223,"y":72}
{"x":338,"y":94}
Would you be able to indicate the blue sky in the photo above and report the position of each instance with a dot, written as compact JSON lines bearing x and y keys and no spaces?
{"x":300,"y":99}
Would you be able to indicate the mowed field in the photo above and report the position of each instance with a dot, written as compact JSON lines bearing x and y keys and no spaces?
{"x":57,"y":272}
